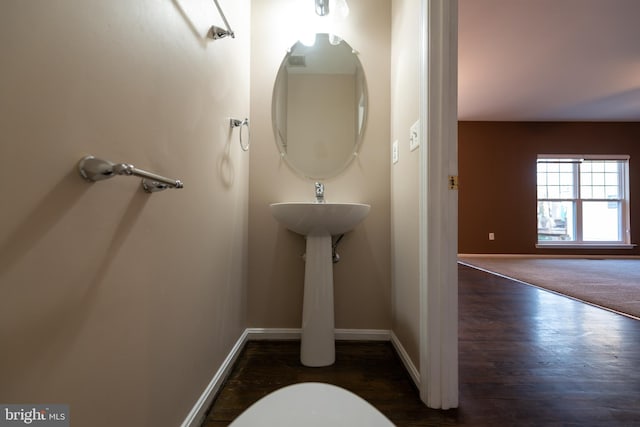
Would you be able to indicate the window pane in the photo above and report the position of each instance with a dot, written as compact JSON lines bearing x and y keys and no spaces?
{"x":542,"y":192}
{"x":600,"y":179}
{"x":596,"y":167}
{"x":542,"y":178}
{"x":565,"y":167}
{"x":555,"y":221}
{"x":556,"y":180}
{"x":612,"y":193}
{"x":597,"y":179}
{"x":598,"y":192}
{"x":612,"y":166}
{"x":611,"y":179}
{"x":566,"y":192}
{"x":601,"y":221}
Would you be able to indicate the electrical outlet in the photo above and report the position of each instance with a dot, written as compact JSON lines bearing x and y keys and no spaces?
{"x":394,"y":152}
{"x":492,"y":236}
{"x":414,"y":136}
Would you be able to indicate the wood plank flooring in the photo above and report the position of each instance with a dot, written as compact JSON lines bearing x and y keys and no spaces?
{"x":527,"y":358}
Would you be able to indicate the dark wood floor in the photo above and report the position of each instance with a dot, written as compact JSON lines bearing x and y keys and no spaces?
{"x":527,"y":358}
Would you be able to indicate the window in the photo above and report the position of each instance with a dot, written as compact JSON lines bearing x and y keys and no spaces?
{"x":583,"y":200}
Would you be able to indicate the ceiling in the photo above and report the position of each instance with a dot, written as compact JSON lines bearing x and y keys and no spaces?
{"x":549,"y":60}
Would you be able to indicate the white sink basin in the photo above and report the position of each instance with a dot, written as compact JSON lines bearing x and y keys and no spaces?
{"x":308,"y":218}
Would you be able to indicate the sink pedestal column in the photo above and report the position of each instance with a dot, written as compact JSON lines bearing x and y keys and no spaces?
{"x":317,"y":346}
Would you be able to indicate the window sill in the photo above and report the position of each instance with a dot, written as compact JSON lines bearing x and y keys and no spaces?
{"x":585,"y":245}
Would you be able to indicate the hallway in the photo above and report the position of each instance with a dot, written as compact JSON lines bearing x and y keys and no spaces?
{"x":527,"y":358}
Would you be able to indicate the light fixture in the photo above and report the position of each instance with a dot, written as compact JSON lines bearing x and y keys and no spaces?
{"x":337,"y":7}
{"x":323,"y":21}
{"x":322,"y":7}
{"x":340,"y":8}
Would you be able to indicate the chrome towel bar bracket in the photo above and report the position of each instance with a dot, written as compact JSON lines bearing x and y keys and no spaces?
{"x":216,"y":32}
{"x":94,"y":169}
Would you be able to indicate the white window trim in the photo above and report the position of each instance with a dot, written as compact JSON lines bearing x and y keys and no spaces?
{"x":574,"y":245}
{"x":626,"y":229}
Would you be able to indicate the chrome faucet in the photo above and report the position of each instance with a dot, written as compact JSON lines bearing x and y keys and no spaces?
{"x":319,"y":192}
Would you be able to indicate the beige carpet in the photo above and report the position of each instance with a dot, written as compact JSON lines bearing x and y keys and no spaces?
{"x":609,"y":283}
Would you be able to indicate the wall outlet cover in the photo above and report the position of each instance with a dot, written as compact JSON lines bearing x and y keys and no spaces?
{"x":394,"y":152}
{"x":414,"y":136}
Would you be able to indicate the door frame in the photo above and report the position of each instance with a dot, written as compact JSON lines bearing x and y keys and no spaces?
{"x":438,"y":207}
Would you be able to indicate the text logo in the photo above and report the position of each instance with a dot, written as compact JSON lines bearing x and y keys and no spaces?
{"x":34,"y":415}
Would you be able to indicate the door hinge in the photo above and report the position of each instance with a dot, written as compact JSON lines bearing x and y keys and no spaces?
{"x":453,"y":182}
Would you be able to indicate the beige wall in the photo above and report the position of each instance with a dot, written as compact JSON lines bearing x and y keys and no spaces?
{"x":119,"y":303}
{"x":405,"y":176}
{"x":276,"y":270}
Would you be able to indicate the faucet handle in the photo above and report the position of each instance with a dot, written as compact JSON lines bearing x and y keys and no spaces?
{"x":319,"y":192}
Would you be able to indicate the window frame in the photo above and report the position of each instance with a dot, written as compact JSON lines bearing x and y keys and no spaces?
{"x":578,"y":201}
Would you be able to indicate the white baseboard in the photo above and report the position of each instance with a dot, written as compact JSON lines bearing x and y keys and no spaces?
{"x":197,"y":413}
{"x":264,"y":334}
{"x":363,"y":334}
{"x":259,"y":334}
{"x":406,"y":360}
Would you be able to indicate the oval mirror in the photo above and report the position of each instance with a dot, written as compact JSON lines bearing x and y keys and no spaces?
{"x":319,"y":107}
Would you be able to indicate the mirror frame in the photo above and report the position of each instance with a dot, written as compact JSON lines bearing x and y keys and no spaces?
{"x":279,"y":140}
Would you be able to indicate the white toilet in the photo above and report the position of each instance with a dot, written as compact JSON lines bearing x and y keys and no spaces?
{"x":310,"y":405}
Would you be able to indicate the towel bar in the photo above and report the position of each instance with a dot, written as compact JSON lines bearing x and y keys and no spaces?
{"x":94,"y":169}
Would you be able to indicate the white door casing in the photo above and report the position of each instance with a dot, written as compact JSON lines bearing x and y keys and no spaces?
{"x":438,"y":207}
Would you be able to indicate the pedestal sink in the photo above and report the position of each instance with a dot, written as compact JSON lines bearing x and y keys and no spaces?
{"x":318,"y":222}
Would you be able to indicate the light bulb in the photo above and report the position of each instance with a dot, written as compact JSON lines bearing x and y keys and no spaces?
{"x":340,"y":8}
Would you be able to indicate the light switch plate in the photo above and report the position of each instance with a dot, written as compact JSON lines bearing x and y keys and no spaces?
{"x":414,"y":136}
{"x":394,"y":152}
